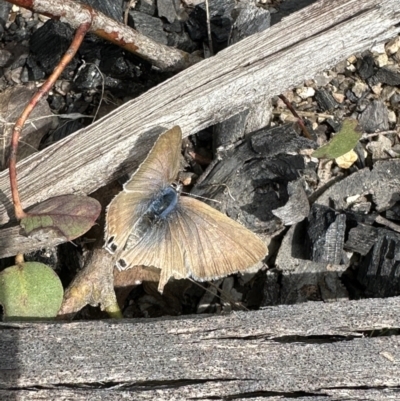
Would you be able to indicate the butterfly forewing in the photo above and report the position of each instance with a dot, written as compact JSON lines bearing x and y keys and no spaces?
{"x":157,"y":171}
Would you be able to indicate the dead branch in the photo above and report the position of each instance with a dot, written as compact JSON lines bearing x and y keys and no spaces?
{"x":74,"y":13}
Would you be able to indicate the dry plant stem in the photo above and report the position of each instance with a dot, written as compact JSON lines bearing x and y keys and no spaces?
{"x":75,"y":14}
{"x":68,"y":56}
{"x":299,"y":119}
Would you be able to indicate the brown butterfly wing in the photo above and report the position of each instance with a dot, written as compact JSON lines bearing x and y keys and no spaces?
{"x":160,"y":247}
{"x":196,"y":241}
{"x":157,"y":171}
{"x":215,"y":245}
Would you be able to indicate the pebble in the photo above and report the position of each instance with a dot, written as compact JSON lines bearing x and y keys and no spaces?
{"x":392,"y":117}
{"x":393,"y":46}
{"x":377,"y":89}
{"x":5,"y":56}
{"x":339,"y":97}
{"x":347,"y":160}
{"x":324,"y":78}
{"x":382,"y":59}
{"x":305,"y":92}
{"x":351,"y":68}
{"x":352,"y":59}
{"x":359,"y":88}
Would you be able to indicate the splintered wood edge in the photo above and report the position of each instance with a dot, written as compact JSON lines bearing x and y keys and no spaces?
{"x":313,"y":347}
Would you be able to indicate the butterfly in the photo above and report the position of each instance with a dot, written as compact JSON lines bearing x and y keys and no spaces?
{"x":149,"y":223}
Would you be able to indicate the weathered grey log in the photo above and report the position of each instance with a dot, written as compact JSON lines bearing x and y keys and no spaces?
{"x":316,"y":348}
{"x":256,"y":68}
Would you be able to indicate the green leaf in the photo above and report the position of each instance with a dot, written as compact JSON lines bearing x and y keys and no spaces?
{"x":30,"y":291}
{"x":344,"y":141}
{"x":66,"y":216}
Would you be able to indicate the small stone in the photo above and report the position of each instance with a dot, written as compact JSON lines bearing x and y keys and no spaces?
{"x":43,"y":18}
{"x":5,"y":56}
{"x":386,"y":75}
{"x":325,"y":100}
{"x":379,"y":148}
{"x":393,"y":45}
{"x":305,"y":92}
{"x":339,"y":97}
{"x":352,"y":59}
{"x":341,"y":66}
{"x":26,"y":14}
{"x":375,"y":117}
{"x":377,"y":89}
{"x":351,"y":68}
{"x":323,"y":78}
{"x":359,"y":88}
{"x":392,"y":117}
{"x":382,"y":60}
{"x":168,"y":9}
{"x":347,"y":160}
{"x":387,"y":92}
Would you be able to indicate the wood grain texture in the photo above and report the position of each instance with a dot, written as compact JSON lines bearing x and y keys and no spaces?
{"x":312,"y":348}
{"x":256,"y":68}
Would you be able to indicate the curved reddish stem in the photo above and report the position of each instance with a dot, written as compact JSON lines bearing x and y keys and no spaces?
{"x":66,"y":59}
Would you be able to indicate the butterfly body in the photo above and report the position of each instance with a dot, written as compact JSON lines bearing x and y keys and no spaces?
{"x":149,"y":223}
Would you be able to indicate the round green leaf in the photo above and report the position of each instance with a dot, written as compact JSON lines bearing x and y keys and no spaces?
{"x":30,"y":291}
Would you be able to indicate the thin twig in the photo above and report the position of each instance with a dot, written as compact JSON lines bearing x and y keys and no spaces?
{"x":387,"y":223}
{"x":68,"y":56}
{"x":299,"y":119}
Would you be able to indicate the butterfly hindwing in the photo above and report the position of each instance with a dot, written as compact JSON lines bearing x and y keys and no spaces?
{"x":220,"y":245}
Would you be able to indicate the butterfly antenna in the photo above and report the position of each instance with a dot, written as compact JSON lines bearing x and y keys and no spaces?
{"x":200,"y":197}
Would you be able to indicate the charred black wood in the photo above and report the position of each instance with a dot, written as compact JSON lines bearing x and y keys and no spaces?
{"x":297,"y":207}
{"x":325,"y":100}
{"x":326,"y":231}
{"x":379,"y":270}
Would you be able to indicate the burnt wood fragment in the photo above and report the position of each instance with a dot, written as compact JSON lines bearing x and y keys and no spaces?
{"x":280,"y":139}
{"x":325,"y":100}
{"x":366,"y":66}
{"x":297,"y":207}
{"x":148,"y":25}
{"x":361,"y":238}
{"x":48,"y":44}
{"x":302,"y":279}
{"x":382,"y":182}
{"x":379,"y":270}
{"x":249,"y":185}
{"x":326,"y":230}
{"x":385,"y":76}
